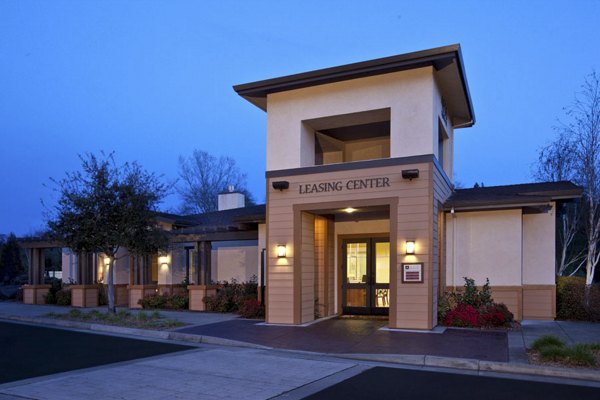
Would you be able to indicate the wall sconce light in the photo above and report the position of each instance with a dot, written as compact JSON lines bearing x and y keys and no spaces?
{"x":281,"y":185}
{"x":410,"y":247}
{"x":163,"y":261}
{"x":107,"y":261}
{"x":410,"y":174}
{"x":281,"y":250}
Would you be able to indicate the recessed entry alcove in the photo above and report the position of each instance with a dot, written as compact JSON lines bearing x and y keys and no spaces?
{"x":351,"y":137}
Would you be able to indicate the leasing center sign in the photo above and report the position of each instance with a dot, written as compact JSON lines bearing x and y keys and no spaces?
{"x":340,"y":186}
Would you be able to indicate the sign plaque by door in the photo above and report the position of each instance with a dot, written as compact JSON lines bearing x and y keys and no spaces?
{"x":412,"y":273}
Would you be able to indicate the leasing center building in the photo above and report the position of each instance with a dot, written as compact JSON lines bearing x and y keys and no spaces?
{"x":361,"y":216}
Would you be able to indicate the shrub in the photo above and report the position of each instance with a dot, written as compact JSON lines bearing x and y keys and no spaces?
{"x":152,"y":301}
{"x":56,"y":286}
{"x":571,"y":302}
{"x":165,"y":301}
{"x":462,"y":316}
{"x":251,"y":308}
{"x":472,"y":308}
{"x":231,"y":296}
{"x":545,"y":341}
{"x":63,"y":297}
{"x":102,"y":295}
{"x":178,"y":302}
{"x":581,"y":355}
{"x":553,"y":353}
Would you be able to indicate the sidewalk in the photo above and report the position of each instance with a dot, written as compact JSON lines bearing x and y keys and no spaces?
{"x":481,"y":351}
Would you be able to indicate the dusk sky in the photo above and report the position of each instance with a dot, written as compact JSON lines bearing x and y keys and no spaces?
{"x":152,"y":80}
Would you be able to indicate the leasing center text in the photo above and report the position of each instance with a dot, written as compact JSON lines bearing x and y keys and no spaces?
{"x":338,"y":186}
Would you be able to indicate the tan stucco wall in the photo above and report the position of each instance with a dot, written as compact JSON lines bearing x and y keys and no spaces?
{"x":539,"y":248}
{"x":448,"y":156}
{"x":408,"y":94}
{"x":484,"y":244}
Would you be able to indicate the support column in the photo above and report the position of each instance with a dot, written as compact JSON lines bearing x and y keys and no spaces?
{"x":85,"y":294}
{"x":142,"y":284}
{"x":204,"y":263}
{"x":203,"y":269}
{"x":35,"y":291}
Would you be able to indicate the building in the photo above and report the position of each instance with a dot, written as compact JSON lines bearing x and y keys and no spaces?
{"x":361,"y":216}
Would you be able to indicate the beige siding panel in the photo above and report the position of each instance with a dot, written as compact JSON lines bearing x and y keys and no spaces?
{"x":539,"y":302}
{"x":511,"y":297}
{"x":307,"y":266}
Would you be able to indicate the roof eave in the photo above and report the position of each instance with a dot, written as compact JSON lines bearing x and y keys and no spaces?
{"x":256,"y":92}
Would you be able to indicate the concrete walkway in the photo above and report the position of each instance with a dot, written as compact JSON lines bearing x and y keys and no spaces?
{"x":367,"y":342}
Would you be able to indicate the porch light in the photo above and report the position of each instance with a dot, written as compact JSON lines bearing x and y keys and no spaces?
{"x":281,"y":250}
{"x":107,"y":261}
{"x":410,"y":247}
{"x":349,"y":210}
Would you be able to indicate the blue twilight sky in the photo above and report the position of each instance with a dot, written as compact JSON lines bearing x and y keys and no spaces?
{"x":152,"y":79}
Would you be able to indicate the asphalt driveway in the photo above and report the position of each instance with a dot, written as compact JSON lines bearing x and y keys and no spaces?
{"x":28,"y":351}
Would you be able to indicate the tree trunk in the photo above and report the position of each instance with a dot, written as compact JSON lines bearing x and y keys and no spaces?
{"x":111,"y":287}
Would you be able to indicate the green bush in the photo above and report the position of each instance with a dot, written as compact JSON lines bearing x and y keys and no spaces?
{"x":551,"y":348}
{"x":545,"y":341}
{"x":56,"y":286}
{"x":165,"y":301}
{"x":571,"y":301}
{"x":553,"y":353}
{"x":63,"y":297}
{"x":178,"y":302}
{"x":102,"y":295}
{"x":153,"y":301}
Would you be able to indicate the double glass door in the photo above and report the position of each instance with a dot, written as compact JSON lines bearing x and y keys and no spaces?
{"x":366,"y":280}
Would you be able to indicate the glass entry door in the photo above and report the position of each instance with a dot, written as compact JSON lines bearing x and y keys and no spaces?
{"x":366,"y":276}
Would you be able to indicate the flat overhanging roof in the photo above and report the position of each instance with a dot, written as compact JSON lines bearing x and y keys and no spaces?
{"x":447,"y":62}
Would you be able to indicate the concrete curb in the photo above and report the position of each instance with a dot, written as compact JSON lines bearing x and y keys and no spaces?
{"x":478,"y":365}
{"x":405,"y":359}
{"x":145,"y":333}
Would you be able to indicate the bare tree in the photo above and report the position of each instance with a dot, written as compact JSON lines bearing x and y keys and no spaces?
{"x":575,"y":155}
{"x":557,"y":162}
{"x":584,"y":130}
{"x":203,"y":177}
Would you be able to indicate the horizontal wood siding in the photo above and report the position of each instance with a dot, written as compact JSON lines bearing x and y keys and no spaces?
{"x":539,"y":301}
{"x":440,"y":191}
{"x":308,"y":267}
{"x":413,"y":218}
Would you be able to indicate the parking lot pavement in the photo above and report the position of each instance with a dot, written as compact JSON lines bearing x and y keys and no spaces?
{"x":205,"y":373}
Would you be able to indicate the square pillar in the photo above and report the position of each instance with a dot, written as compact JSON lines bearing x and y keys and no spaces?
{"x":197,"y":295}
{"x":204,"y":263}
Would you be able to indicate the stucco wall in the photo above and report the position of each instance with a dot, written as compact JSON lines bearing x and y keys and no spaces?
{"x":485,"y":244}
{"x":408,"y":94}
{"x":539,"y":248}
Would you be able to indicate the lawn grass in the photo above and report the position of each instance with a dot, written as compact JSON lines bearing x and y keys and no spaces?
{"x":141,"y":319}
{"x":550,"y":349}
